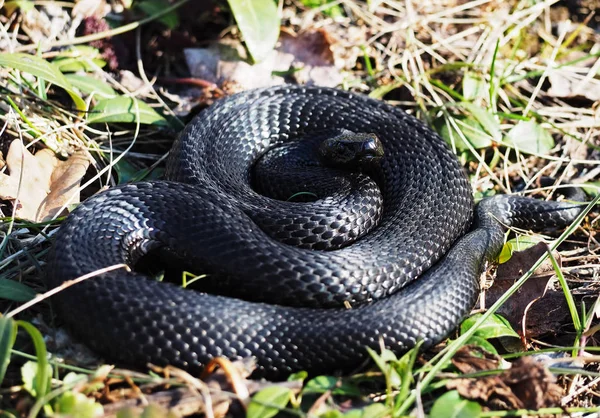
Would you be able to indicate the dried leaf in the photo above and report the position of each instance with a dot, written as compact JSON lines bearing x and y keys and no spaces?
{"x":307,"y":57}
{"x":312,"y":48}
{"x":565,"y":85}
{"x":473,"y":359}
{"x":225,"y":61}
{"x":91,"y":8}
{"x":312,"y":58}
{"x":527,"y":384}
{"x":542,"y":307}
{"x":40,"y":185}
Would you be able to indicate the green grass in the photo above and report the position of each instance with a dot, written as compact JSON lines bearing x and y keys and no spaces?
{"x":480,"y":72}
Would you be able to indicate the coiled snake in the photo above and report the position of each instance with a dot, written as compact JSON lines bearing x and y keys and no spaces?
{"x":406,"y":270}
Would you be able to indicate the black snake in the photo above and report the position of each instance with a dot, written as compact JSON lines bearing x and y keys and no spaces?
{"x":408,"y":268}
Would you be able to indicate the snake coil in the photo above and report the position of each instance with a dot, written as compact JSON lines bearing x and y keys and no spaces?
{"x":412,"y":276}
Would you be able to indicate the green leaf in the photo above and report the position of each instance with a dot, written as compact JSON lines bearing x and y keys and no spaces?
{"x":483,"y":343}
{"x":474,"y":87}
{"x":93,"y":383}
{"x":125,"y":171}
{"x":519,"y":243}
{"x":8,"y":333}
{"x":79,"y":58}
{"x":495,"y":326}
{"x":404,"y":367}
{"x":24,"y":5}
{"x":268,"y":402}
{"x":72,"y":378}
{"x":28,"y":373}
{"x":128,"y":173}
{"x":382,"y":361}
{"x":15,"y":291}
{"x":530,"y":138}
{"x":451,"y":405}
{"x":332,"y":413}
{"x":301,"y":375}
{"x":72,"y":65}
{"x":78,"y":405}
{"x":152,"y":7}
{"x":41,"y":384}
{"x":42,"y":69}
{"x":123,"y":109}
{"x":376,"y":410}
{"x":485,"y":119}
{"x":334,"y":10}
{"x":471,"y":129}
{"x":91,"y":85}
{"x":259,"y":23}
{"x":592,"y":188}
{"x":322,"y":384}
{"x":31,"y":382}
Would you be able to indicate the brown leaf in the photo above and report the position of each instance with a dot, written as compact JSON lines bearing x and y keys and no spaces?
{"x":312,"y":47}
{"x":527,"y":384}
{"x":225,"y":61}
{"x":218,"y":394}
{"x":307,"y":53}
{"x":541,"y":307}
{"x":533,"y":384}
{"x":41,"y":184}
{"x":313,"y":56}
{"x":472,"y":359}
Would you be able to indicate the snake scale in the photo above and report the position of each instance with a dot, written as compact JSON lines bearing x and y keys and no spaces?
{"x":407,"y":268}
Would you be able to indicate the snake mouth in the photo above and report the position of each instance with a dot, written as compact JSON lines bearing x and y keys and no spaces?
{"x":368,"y":159}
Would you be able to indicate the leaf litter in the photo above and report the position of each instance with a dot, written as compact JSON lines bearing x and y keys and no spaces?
{"x":537,"y":308}
{"x":41,"y":186}
{"x":523,"y":384}
{"x":304,"y":57}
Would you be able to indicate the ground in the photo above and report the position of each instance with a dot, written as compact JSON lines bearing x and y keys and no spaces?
{"x":512,"y":86}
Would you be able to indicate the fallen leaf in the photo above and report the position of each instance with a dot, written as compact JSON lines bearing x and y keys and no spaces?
{"x":531,"y":381}
{"x":529,"y":137}
{"x":473,"y":359}
{"x":305,"y":57}
{"x":566,"y":85}
{"x":87,"y":8}
{"x":185,"y":400}
{"x":225,"y":61}
{"x":526,"y":384}
{"x":525,"y":253}
{"x":541,"y":307}
{"x":311,"y":48}
{"x":312,"y":58}
{"x":41,"y":184}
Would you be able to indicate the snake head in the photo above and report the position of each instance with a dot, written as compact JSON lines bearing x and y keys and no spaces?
{"x":351,"y":150}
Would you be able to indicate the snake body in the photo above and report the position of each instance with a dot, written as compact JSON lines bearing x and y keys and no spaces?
{"x":408,"y":271}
